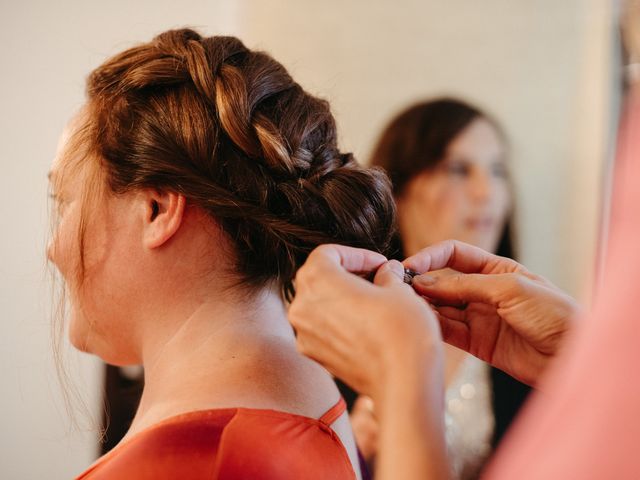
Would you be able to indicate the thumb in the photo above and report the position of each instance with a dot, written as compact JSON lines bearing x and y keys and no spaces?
{"x":390,"y":273}
{"x":463,"y":287}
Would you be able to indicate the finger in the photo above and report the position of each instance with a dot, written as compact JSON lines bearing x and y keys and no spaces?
{"x":349,"y":258}
{"x":461,"y":257}
{"x":466,"y":288}
{"x":329,"y":266}
{"x":452,"y":313}
{"x":390,"y":273}
{"x":454,"y":332}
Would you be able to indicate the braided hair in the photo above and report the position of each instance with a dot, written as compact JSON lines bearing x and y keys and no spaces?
{"x":230,"y":130}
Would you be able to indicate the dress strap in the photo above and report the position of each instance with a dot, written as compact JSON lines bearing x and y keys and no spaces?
{"x":334,"y":412}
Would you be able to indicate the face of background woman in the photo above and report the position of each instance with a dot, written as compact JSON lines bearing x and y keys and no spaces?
{"x":98,"y":300}
{"x":465,"y":197}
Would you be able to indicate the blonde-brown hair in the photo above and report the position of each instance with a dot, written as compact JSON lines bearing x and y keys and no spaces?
{"x":230,"y":130}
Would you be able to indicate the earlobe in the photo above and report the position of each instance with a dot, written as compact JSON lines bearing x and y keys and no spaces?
{"x":165,"y":212}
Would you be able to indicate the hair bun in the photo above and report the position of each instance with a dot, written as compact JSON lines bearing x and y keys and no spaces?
{"x":230,"y":129}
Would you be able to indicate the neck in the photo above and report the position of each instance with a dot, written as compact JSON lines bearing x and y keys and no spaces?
{"x":197,"y":359}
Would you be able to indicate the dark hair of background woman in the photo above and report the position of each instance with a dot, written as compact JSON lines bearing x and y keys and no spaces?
{"x":417,"y":139}
{"x":414,"y":141}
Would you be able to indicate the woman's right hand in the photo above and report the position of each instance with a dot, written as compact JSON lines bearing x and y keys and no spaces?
{"x":494,"y":308}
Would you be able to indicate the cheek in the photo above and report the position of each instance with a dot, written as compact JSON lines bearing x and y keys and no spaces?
{"x":63,"y":249}
{"x":502,"y":203}
{"x":79,"y":329}
{"x":442,"y":204}
{"x":433,"y":211}
{"x":112,"y":273}
{"x":64,"y":252}
{"x":94,"y":308}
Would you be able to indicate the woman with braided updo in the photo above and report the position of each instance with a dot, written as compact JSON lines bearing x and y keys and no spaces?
{"x":190,"y":187}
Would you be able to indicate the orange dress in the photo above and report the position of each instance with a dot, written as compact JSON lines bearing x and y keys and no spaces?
{"x":230,"y":443}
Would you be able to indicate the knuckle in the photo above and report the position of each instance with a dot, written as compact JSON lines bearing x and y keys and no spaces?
{"x":299,"y":319}
{"x":307,"y":274}
{"x":293,"y":314}
{"x":301,"y":345}
{"x":457,"y":284}
{"x":517,"y":282}
{"x":322,"y":249}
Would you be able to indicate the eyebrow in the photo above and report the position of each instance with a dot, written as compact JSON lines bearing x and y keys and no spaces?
{"x":460,"y":158}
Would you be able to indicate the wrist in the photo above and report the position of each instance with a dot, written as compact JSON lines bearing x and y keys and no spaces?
{"x":413,"y":374}
{"x":410,"y":413}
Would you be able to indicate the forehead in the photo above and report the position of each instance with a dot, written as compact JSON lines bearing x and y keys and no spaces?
{"x":68,"y":152}
{"x":479,"y":141}
{"x":63,"y":141}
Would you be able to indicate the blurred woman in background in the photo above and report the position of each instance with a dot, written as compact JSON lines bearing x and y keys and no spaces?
{"x":447,"y":161}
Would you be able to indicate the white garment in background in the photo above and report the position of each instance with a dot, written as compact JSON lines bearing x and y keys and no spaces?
{"x":469,"y":418}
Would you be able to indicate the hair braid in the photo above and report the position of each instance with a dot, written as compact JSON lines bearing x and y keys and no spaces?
{"x":230,"y":130}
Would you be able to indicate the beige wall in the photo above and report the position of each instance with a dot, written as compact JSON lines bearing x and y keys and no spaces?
{"x":47,"y":49}
{"x":539,"y":66}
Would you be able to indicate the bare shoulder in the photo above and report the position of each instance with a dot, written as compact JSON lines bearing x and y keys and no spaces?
{"x":291,"y":381}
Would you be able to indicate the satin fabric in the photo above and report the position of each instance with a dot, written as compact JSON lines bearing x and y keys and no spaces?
{"x":234,"y":443}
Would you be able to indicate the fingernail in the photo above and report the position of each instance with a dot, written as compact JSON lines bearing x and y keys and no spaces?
{"x":395,"y":266}
{"x":424,"y":280}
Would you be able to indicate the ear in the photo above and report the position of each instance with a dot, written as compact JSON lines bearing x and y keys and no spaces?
{"x":164,"y":213}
